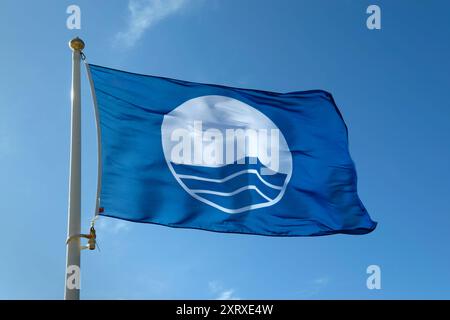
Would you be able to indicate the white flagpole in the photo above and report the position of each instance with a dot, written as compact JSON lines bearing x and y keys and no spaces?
{"x":72,"y":283}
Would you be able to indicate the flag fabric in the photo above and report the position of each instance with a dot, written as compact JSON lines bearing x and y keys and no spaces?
{"x":217,"y":158}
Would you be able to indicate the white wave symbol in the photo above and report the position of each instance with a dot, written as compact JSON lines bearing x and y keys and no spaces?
{"x":231,"y":176}
{"x":232,"y":193}
{"x":200,"y":193}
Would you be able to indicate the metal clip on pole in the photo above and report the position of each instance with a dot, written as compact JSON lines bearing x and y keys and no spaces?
{"x":91,"y":239}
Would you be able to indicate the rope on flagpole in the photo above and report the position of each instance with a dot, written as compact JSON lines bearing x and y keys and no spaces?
{"x":98,"y":209}
{"x":92,"y":236}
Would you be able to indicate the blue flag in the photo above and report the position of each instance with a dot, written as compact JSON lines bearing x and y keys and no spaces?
{"x":190,"y":155}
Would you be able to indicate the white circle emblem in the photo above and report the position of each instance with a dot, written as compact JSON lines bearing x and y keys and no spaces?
{"x":226,"y":154}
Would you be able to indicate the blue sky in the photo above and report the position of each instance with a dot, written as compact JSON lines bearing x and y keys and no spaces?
{"x":391,"y":86}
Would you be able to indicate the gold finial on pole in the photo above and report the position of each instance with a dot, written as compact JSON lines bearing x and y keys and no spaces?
{"x":76,"y":44}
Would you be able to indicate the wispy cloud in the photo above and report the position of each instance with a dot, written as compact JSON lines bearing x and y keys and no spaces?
{"x":144,"y":14}
{"x":314,"y":287}
{"x":113,"y":226}
{"x":222,"y":294}
{"x":227,"y":295}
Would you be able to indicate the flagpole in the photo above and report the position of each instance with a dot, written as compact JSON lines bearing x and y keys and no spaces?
{"x":72,"y":288}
